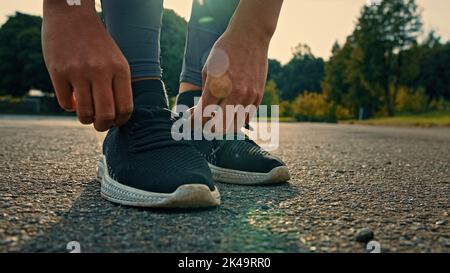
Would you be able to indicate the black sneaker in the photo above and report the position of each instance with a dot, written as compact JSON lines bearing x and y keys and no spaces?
{"x":142,"y":165}
{"x":236,"y":161}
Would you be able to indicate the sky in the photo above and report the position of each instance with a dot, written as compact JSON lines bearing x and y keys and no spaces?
{"x":318,"y":23}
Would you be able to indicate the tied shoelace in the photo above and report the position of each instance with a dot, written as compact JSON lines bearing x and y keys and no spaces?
{"x":238,"y":141}
{"x":153,"y":130}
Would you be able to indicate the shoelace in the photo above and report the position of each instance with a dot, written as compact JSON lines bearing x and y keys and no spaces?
{"x":153,"y":130}
{"x":220,"y":144}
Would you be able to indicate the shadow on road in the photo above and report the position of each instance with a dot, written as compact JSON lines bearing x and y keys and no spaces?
{"x":100,"y":226}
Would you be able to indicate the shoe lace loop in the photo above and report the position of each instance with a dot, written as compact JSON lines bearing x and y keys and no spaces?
{"x":153,"y":130}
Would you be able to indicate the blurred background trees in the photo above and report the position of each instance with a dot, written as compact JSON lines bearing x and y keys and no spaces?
{"x":382,"y":68}
{"x":303,"y":72}
{"x":22,"y":66}
{"x":386,"y":66}
{"x":173,"y":36}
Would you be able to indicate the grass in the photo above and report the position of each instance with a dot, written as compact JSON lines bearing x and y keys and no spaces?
{"x":430,"y":119}
{"x":280,"y":119}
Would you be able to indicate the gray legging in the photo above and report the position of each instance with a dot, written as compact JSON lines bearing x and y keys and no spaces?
{"x":135,"y":25}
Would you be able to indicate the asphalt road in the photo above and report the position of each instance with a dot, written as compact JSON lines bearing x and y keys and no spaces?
{"x":393,"y":181}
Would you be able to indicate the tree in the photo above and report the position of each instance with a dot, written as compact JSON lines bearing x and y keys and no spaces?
{"x":427,"y":65}
{"x":270,"y":94}
{"x":384,"y":29}
{"x":22,"y":66}
{"x":173,"y":36}
{"x":345,"y":84}
{"x":335,"y":85}
{"x":369,"y":68}
{"x":311,"y":106}
{"x":303,"y":72}
{"x":435,"y":72}
{"x":275,"y":72}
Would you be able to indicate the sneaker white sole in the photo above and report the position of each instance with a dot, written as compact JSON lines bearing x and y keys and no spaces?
{"x":186,"y":196}
{"x":277,"y":175}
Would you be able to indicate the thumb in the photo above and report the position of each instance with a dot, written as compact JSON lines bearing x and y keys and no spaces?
{"x":196,"y":113}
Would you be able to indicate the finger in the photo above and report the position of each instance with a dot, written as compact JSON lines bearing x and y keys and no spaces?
{"x":256,"y":104}
{"x":204,"y":76}
{"x":251,"y":102}
{"x":230,"y":116}
{"x":249,"y":115}
{"x":83,"y":99}
{"x":103,"y":104}
{"x":206,"y":100}
{"x":200,"y":114}
{"x":219,"y":87}
{"x":207,"y":97}
{"x":239,"y":103}
{"x":196,"y":111}
{"x":64,"y":94}
{"x":123,"y":99}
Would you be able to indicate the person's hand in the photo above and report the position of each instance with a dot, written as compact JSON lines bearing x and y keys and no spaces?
{"x":88,"y":71}
{"x":236,"y":70}
{"x":234,"y":74}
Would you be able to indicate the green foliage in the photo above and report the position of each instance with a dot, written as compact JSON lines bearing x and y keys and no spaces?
{"x":428,"y":65}
{"x":335,"y":85}
{"x":411,"y":101}
{"x":271,"y":94}
{"x":435,"y":72}
{"x":345,"y":84}
{"x":312,"y":106}
{"x":380,"y":69}
{"x":173,"y":37}
{"x":275,"y":71}
{"x":343,"y":113}
{"x":368,"y":70}
{"x":22,"y":66}
{"x":303,"y":72}
{"x":440,"y":105}
{"x":428,"y":119}
{"x":383,"y":30}
{"x":286,"y":110}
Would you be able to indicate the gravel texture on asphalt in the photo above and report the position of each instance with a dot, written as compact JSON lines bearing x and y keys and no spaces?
{"x":347,"y":183}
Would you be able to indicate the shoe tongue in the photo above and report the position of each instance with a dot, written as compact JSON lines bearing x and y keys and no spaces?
{"x":187,"y":100}
{"x":149,"y":93}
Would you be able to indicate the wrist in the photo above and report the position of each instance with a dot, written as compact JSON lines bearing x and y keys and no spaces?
{"x":254,"y":33}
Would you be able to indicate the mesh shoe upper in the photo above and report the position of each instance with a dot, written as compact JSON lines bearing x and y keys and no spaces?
{"x":143,"y":155}
{"x":241,"y":155}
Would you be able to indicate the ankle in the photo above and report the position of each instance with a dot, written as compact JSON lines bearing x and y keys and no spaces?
{"x":185,"y":87}
{"x":138,"y":79}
